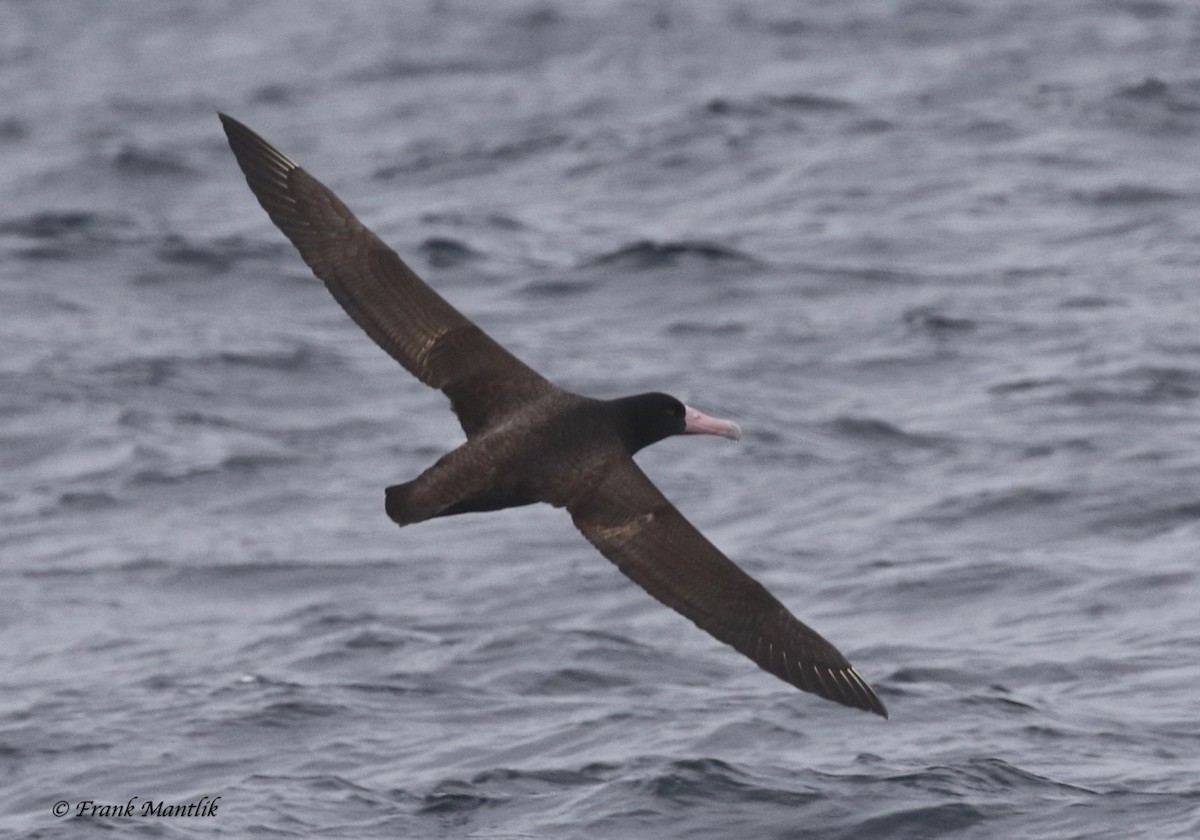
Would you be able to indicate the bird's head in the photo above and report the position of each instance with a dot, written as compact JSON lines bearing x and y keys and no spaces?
{"x":648,"y":418}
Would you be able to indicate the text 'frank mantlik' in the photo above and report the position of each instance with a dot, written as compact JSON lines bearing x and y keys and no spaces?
{"x":205,"y":807}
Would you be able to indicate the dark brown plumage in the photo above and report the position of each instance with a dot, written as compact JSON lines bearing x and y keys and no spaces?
{"x":530,"y":441}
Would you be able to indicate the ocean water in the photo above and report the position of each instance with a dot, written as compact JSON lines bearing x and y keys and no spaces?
{"x":939,"y":258}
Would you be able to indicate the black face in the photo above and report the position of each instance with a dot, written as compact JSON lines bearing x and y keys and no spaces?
{"x":648,"y":418}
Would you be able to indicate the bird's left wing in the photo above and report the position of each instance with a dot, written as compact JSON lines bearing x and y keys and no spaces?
{"x":408,"y":319}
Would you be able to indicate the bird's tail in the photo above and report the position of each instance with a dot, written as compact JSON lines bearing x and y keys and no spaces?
{"x":398,"y":503}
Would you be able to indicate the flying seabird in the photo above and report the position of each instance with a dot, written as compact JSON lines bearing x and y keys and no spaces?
{"x":531,"y":441}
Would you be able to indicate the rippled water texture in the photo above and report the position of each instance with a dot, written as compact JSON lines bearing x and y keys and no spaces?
{"x":939,"y":258}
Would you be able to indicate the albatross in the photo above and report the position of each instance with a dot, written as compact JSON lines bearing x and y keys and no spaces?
{"x":530,"y":441}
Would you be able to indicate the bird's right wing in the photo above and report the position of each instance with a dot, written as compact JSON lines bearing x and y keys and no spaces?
{"x":633,"y":525}
{"x":413,"y":323}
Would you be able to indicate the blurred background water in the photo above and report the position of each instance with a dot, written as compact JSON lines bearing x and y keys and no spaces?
{"x":938,"y":258}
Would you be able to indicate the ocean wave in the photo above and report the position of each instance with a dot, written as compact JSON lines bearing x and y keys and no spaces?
{"x":239,"y":464}
{"x":1154,"y":105}
{"x":1146,"y":517}
{"x":1139,"y":384}
{"x":406,"y":68}
{"x":194,"y":373}
{"x":299,"y":357}
{"x":288,"y":714}
{"x":137,"y":161}
{"x":1123,"y":194}
{"x":929,"y":319}
{"x":444,"y":252}
{"x":456,"y":798}
{"x":880,"y":432}
{"x":68,"y":234}
{"x":645,"y":254}
{"x":86,"y":500}
{"x":765,"y":104}
{"x":566,"y":682}
{"x":552,"y":288}
{"x":726,"y":328}
{"x":217,"y":255}
{"x":1000,"y":503}
{"x":13,"y":129}
{"x":473,"y":159}
{"x":866,"y":273}
{"x":1135,"y":385}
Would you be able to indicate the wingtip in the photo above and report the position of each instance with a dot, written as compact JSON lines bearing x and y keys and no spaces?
{"x":235,"y":130}
{"x":868,"y":700}
{"x":878,"y":708}
{"x":254,"y":154}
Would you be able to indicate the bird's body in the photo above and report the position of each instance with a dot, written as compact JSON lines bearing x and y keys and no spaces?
{"x":546,"y":450}
{"x":530,"y":441}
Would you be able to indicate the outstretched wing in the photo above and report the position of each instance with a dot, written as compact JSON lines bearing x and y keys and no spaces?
{"x":633,"y":525}
{"x":413,"y":323}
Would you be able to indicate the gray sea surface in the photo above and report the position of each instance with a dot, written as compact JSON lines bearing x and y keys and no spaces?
{"x":939,"y":258}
